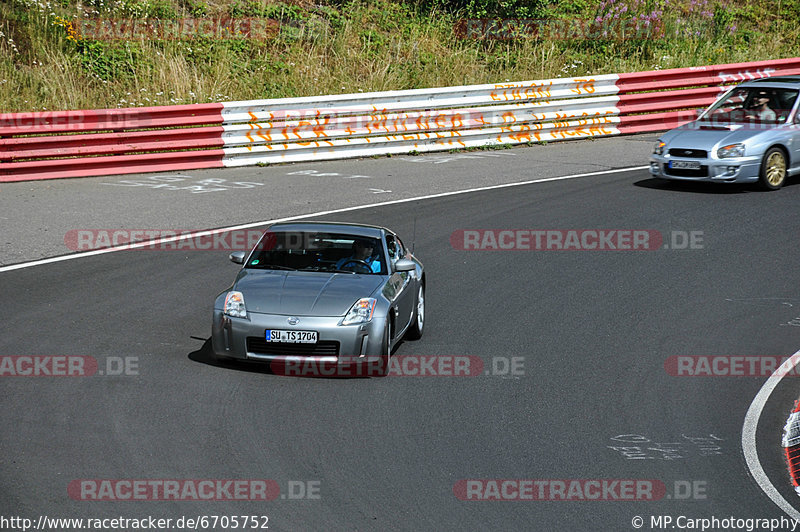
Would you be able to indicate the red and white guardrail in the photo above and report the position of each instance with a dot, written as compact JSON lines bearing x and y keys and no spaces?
{"x":791,"y":446}
{"x":48,"y":145}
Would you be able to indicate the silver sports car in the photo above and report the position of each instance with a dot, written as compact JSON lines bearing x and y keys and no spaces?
{"x":750,"y":134}
{"x":326,"y":294}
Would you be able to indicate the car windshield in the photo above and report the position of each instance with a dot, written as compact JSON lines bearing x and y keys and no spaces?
{"x":748,"y":105}
{"x":318,"y":251}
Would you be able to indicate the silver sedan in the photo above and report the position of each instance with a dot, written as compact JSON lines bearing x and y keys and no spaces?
{"x":751,"y":134}
{"x":326,"y":294}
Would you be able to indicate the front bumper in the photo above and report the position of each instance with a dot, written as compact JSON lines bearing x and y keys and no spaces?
{"x":244,"y":338}
{"x":731,"y":170}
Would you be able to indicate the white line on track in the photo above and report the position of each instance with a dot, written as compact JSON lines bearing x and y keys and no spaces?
{"x":196,"y":234}
{"x":749,"y":436}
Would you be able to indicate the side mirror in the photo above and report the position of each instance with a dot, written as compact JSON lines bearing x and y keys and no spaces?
{"x":405,"y":265}
{"x":237,"y":257}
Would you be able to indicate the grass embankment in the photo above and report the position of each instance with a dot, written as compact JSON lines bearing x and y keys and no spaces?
{"x":342,"y":46}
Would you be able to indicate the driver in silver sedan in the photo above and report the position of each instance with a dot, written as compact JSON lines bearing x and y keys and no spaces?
{"x":759,"y":108}
{"x":362,"y":253}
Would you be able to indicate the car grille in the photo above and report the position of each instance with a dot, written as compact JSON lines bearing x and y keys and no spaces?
{"x":685,"y":172}
{"x":259,"y":346}
{"x":685,"y":152}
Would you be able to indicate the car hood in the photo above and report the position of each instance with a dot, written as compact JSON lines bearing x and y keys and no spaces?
{"x":303,"y":293}
{"x":707,"y":137}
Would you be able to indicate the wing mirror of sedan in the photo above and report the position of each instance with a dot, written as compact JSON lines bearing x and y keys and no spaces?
{"x":405,"y":265}
{"x":237,"y":257}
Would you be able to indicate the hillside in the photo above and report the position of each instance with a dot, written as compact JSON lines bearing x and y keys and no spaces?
{"x":65,"y":54}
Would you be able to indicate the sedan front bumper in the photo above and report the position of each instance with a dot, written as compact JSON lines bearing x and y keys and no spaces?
{"x":244,"y":338}
{"x":729,"y":170}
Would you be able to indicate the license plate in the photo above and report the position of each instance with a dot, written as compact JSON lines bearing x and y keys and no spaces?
{"x":291,"y":337}
{"x":686,"y":165}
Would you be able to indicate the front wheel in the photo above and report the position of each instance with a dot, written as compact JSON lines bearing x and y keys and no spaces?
{"x":773,"y":169}
{"x":416,"y":329}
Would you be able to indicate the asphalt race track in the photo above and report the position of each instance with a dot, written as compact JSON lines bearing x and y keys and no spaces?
{"x":591,"y":331}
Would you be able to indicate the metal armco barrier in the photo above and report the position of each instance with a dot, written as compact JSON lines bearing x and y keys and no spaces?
{"x":791,"y":446}
{"x":52,"y":145}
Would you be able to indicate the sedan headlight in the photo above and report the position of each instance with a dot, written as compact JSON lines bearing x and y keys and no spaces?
{"x":658,"y":149}
{"x":234,"y":305}
{"x":361,"y":311}
{"x":731,"y":150}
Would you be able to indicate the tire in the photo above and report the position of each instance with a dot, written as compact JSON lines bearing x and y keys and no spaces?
{"x":417,"y":328}
{"x":773,"y":169}
{"x":386,"y":350}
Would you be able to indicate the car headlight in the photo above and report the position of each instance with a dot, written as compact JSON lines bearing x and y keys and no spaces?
{"x":361,"y":311}
{"x":658,"y":149}
{"x":234,"y":305}
{"x":731,"y":150}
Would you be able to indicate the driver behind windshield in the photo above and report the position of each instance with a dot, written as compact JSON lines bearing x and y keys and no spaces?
{"x":759,"y":109}
{"x":362,"y":251}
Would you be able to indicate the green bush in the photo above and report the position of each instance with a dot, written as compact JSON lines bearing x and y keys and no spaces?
{"x":489,"y":8}
{"x":112,"y":61}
